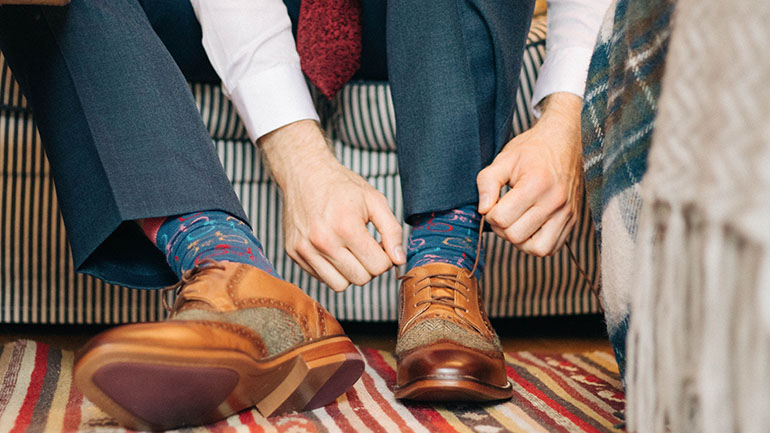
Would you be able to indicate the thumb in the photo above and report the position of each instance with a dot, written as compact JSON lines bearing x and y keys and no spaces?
{"x":390,"y":230}
{"x":489,"y":182}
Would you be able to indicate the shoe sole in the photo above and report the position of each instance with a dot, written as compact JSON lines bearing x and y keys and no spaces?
{"x":452,"y":389}
{"x":159,"y":388}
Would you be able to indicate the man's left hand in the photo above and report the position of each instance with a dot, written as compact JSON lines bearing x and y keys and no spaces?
{"x":543,"y":166}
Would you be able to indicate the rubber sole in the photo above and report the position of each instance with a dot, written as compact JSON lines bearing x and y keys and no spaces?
{"x":147,"y":387}
{"x":452,"y":389}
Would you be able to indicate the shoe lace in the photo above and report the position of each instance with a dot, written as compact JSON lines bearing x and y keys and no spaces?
{"x":445,"y":300}
{"x":451,"y":282}
{"x":188,"y":277}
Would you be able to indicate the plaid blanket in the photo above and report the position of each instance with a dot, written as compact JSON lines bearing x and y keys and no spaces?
{"x":618,"y":115}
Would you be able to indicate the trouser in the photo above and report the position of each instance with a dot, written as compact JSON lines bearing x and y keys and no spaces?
{"x":453,"y":68}
{"x":119,"y":125}
{"x":107,"y":82}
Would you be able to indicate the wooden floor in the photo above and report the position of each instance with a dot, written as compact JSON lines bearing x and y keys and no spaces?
{"x":547,"y":335}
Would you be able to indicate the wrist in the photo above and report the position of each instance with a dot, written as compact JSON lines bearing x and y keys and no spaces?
{"x":294,"y":148}
{"x":562,"y":106}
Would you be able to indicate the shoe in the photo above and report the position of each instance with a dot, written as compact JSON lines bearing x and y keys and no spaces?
{"x":236,"y":338}
{"x":447,"y":349}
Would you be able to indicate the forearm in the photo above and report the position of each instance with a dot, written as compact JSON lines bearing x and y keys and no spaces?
{"x":298,"y":145}
{"x":561,"y":114}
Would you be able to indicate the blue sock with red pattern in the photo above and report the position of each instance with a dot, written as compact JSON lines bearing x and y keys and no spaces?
{"x":446,"y":237}
{"x":188,"y":239}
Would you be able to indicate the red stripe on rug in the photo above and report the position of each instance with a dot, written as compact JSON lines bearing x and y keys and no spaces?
{"x":550,"y":402}
{"x":33,"y":391}
{"x":426,"y":415}
{"x":360,"y":409}
{"x":538,"y":414}
{"x":342,"y":422}
{"x":377,"y":362}
{"x":246,"y":418}
{"x":368,"y":382}
{"x":568,"y":388}
{"x":72,"y":413}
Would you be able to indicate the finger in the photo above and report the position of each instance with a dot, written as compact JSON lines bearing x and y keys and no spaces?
{"x":349,"y":266}
{"x":390,"y":230}
{"x":543,"y":242}
{"x":526,"y":226}
{"x":491,"y":179}
{"x":367,"y":251}
{"x":303,"y":264}
{"x":500,"y":232}
{"x":514,"y":204}
{"x":325,"y":271}
{"x":565,"y":233}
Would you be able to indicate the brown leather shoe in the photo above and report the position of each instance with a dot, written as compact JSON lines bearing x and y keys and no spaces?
{"x":237,"y":338}
{"x":447,"y":349}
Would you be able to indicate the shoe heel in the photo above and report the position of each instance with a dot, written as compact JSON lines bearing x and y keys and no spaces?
{"x":312,"y":384}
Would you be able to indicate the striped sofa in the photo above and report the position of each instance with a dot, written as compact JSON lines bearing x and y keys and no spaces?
{"x":38,"y":283}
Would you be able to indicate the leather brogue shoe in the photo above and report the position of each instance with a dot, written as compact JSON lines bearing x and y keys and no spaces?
{"x":236,"y":338}
{"x":447,"y":349}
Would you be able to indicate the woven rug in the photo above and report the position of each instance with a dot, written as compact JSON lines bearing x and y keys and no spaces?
{"x":552,"y":393}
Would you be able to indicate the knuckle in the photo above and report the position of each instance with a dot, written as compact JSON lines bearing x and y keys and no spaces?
{"x":299,"y":249}
{"x":540,"y":250}
{"x":560,"y":197}
{"x":360,"y":280}
{"x":538,"y":184}
{"x":320,"y":239}
{"x":516,"y":237}
{"x":483,"y":176}
{"x":381,"y":266}
{"x":494,"y":218}
{"x":395,"y":230}
{"x":344,"y":228}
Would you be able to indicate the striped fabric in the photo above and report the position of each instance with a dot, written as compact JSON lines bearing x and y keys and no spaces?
{"x":552,"y":393}
{"x":38,"y":284}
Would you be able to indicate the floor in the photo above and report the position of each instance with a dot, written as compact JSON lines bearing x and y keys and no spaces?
{"x":547,"y":335}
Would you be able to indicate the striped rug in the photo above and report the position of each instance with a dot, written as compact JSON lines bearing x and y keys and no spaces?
{"x":553,"y":393}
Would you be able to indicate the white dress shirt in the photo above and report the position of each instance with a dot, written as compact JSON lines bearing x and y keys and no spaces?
{"x":250,"y":45}
{"x":572,"y":29}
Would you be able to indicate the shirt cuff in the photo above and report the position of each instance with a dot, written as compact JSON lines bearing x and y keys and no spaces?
{"x":273,"y":98}
{"x":564,"y":70}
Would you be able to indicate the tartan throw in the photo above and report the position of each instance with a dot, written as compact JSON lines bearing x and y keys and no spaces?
{"x":699,"y":342}
{"x":618,"y":115}
{"x":552,"y":393}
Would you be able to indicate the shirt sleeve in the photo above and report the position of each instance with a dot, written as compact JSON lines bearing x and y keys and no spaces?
{"x":572,"y":29}
{"x":250,"y":45}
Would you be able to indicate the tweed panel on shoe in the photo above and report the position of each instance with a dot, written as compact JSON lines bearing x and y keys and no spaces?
{"x":432,"y":330}
{"x":277,"y":329}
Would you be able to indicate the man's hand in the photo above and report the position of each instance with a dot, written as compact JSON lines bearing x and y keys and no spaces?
{"x":326,"y":209}
{"x":543,"y":166}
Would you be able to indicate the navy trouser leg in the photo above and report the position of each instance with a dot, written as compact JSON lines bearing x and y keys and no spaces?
{"x":453,"y":67}
{"x":120,"y":128}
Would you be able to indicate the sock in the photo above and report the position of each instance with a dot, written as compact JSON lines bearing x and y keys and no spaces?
{"x":446,"y":237}
{"x":188,"y":239}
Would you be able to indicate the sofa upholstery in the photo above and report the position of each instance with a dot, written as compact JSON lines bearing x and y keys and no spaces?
{"x":38,"y":283}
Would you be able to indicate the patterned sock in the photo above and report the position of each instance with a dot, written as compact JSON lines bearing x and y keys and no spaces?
{"x":446,"y":237}
{"x":186,"y":240}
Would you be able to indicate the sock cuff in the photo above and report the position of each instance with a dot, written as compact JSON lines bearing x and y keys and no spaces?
{"x":151,"y":226}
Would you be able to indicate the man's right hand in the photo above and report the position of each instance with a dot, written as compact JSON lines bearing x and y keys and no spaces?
{"x":326,"y":209}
